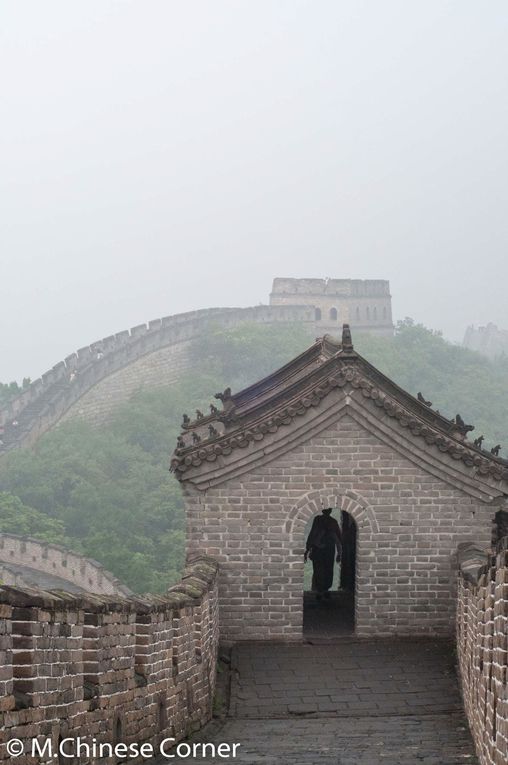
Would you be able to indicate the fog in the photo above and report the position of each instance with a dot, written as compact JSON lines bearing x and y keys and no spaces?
{"x":158,"y":156}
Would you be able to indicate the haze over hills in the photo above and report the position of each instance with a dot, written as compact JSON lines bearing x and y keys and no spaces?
{"x":106,"y":491}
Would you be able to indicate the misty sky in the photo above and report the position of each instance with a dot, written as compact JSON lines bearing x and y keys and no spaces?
{"x":160,"y":156}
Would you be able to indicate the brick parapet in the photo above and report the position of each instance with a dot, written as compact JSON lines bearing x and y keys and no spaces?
{"x":48,"y":399}
{"x":482,"y":647}
{"x":57,"y":561}
{"x":103,"y":666}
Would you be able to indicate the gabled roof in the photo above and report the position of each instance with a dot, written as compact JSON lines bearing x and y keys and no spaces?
{"x":290,"y":392}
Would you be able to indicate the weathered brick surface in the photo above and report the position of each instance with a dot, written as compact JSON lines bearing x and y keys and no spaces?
{"x":411,"y":508}
{"x":96,"y":666}
{"x":482,"y":648}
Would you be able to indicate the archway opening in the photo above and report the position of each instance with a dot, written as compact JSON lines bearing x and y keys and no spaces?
{"x":329,"y":588}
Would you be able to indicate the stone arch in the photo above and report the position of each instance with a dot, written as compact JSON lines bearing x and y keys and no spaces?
{"x":367,"y":529}
{"x":312,"y":503}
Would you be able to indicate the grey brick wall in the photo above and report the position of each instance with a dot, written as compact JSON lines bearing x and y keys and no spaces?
{"x":409,"y":520}
{"x":482,"y":651}
{"x":77,"y":666}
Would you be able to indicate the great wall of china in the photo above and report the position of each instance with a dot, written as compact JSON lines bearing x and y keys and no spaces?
{"x":98,"y":377}
{"x":89,"y":383}
{"x":27,"y":561}
{"x":132,"y":670}
{"x":106,"y":665}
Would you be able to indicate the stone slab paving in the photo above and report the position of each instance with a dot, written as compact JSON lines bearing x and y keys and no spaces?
{"x":344,"y":678}
{"x":353,"y":702}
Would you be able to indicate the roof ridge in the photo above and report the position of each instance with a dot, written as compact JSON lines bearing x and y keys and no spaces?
{"x":339,"y":366}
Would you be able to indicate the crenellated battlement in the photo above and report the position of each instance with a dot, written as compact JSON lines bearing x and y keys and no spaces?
{"x":45,"y":401}
{"x":316,"y":288}
{"x":364,"y":304}
{"x":23,"y":559}
{"x":89,"y":383}
{"x":127,"y":670}
{"x":482,"y":648}
{"x":489,"y":340}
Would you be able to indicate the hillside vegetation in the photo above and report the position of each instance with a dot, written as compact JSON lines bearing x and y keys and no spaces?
{"x":107,"y":492}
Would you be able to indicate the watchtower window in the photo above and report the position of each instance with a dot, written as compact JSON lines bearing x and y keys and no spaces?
{"x":367,"y":313}
{"x":357,"y":314}
{"x":375,"y":313}
{"x":333,"y":314}
{"x":318,"y":314}
{"x":384,"y":312}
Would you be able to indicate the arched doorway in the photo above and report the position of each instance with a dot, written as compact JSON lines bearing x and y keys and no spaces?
{"x":331,"y":614}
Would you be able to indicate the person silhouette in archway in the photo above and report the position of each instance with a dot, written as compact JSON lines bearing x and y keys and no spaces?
{"x":323,"y":548}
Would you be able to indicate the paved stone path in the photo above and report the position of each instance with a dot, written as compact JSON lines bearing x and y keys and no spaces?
{"x":350,"y":702}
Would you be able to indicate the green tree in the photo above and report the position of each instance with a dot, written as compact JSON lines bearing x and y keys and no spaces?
{"x":17,"y":518}
{"x":106,"y":492}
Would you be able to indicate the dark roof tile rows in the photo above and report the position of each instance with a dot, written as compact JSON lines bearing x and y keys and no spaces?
{"x":289,"y":393}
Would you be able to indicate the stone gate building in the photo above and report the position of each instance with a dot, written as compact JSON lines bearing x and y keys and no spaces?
{"x":328,"y":429}
{"x":364,"y":304}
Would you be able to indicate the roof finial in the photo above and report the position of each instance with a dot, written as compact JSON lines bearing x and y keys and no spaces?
{"x":347,"y":342}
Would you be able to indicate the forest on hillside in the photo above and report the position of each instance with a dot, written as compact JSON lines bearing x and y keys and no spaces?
{"x":107,"y":493}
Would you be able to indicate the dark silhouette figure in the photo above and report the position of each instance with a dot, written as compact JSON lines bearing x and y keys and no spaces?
{"x":323,"y":540}
{"x":495,"y":450}
{"x":422,"y":400}
{"x":479,"y":441}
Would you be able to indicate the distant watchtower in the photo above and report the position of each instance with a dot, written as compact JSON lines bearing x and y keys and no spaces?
{"x":364,"y":304}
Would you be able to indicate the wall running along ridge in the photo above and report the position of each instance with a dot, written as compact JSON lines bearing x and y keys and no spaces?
{"x":129,"y":670}
{"x":57,"y":561}
{"x":482,"y":648}
{"x":151,"y":355}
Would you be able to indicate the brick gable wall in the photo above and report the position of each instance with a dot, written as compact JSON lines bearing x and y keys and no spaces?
{"x":409,"y":525}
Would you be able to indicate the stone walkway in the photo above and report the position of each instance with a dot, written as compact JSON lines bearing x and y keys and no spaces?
{"x":353,"y":702}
